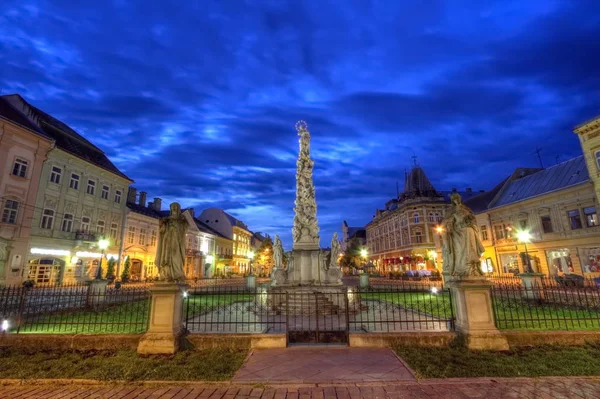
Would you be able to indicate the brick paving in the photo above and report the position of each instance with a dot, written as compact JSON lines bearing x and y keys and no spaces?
{"x":554,"y":387}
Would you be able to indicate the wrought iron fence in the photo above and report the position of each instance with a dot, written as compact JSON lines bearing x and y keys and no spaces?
{"x":74,"y":309}
{"x":546,"y":306}
{"x":318,"y":315}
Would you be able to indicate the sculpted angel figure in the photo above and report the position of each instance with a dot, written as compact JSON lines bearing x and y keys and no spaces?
{"x":170,"y":254}
{"x":335,"y":251}
{"x":461,"y":247}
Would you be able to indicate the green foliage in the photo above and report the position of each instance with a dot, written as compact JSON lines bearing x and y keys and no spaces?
{"x":352,"y":258}
{"x":109,"y":365}
{"x":110,"y":268}
{"x":126,"y":273}
{"x":456,"y":361}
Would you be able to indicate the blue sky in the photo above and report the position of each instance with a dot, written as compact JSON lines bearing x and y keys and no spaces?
{"x":197,"y":102}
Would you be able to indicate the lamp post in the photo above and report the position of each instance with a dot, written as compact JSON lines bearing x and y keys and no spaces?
{"x":102,"y":244}
{"x":524,"y":237}
{"x":251,"y":256}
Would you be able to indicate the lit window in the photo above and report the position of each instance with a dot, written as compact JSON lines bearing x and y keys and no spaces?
{"x":114,"y":227}
{"x":85,"y":224}
{"x":100,"y":227}
{"x":142,"y":240}
{"x":484,"y":233}
{"x":74,"y":183}
{"x":118,"y":194}
{"x":67,"y":223}
{"x":131,"y":235}
{"x":591,"y":217}
{"x":91,"y":187}
{"x":9,"y":214}
{"x":575,"y":219}
{"x":104,"y":194}
{"x":55,"y":175}
{"x":47,"y":219}
{"x":20,"y":167}
{"x":547,"y":224}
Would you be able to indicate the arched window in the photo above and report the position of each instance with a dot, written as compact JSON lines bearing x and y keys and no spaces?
{"x":67,"y":223}
{"x":47,"y":219}
{"x":100,"y":227}
{"x":416,"y":217}
{"x":418,"y":237}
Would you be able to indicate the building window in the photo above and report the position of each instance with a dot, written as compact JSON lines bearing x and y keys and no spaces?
{"x":591,"y":217}
{"x":55,"y":175}
{"x":91,"y":187}
{"x":85,"y":224}
{"x":47,"y":219}
{"x":74,"y":183}
{"x":100,"y":227}
{"x":598,"y":159}
{"x":142,"y":240}
{"x":104,"y":194}
{"x":418,"y":237}
{"x":523,"y":223}
{"x":67,"y":223}
{"x":499,"y":232}
{"x":575,"y":219}
{"x":20,"y":167}
{"x":9,"y":214}
{"x":113,"y":231}
{"x":438,"y":217}
{"x":131,"y":235}
{"x":431,"y":217}
{"x":153,"y":238}
{"x":118,"y":194}
{"x":547,"y":224}
{"x":484,"y":233}
{"x":416,"y":217}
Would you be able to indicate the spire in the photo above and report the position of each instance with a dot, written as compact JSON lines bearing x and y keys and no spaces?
{"x":417,"y":184}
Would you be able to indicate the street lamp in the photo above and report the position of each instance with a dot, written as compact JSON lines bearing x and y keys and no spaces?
{"x":251,"y":256}
{"x":102,"y":244}
{"x":525,"y":237}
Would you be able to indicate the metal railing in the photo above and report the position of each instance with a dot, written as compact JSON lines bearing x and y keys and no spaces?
{"x":75,"y":309}
{"x":546,"y":306}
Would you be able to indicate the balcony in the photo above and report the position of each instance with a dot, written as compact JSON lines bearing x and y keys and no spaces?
{"x":86,"y":236}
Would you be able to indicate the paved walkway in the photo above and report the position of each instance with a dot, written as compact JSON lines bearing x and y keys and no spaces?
{"x":471,"y":388}
{"x":322,"y":365}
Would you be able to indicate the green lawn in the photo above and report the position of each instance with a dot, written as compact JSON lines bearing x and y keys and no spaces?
{"x":201,"y":303}
{"x":457,"y":361}
{"x":128,"y":318}
{"x":437,"y":305}
{"x":188,"y":365}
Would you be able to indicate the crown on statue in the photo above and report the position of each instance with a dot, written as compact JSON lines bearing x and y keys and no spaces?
{"x":301,"y":126}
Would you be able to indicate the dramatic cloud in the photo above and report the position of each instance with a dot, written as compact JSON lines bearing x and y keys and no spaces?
{"x":197,"y":103}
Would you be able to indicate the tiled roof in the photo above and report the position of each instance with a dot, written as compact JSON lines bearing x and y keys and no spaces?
{"x":207,"y":229}
{"x":8,"y":111}
{"x":480,"y":202}
{"x":558,"y":177}
{"x":66,"y":138}
{"x":144,"y":210}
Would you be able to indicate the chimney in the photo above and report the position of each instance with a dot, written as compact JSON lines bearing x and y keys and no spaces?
{"x":157,"y":203}
{"x":142,"y":198}
{"x":131,"y":194}
{"x":469,"y":190}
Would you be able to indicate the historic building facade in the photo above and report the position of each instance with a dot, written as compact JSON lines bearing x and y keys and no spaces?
{"x":235,"y":230}
{"x":23,"y":150}
{"x":403,"y":236}
{"x":80,"y":199}
{"x":352,"y":233}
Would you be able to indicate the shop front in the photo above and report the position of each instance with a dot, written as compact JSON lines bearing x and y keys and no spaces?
{"x":590,"y":259}
{"x":559,"y":262}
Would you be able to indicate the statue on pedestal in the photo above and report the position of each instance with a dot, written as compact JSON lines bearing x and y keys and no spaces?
{"x":335,"y":251}
{"x":461,"y":247}
{"x":278,"y":253}
{"x":170,"y":254}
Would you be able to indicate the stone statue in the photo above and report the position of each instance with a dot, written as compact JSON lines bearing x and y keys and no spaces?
{"x":461,"y":247}
{"x":170,"y":254}
{"x":278,"y":253}
{"x":335,"y":251}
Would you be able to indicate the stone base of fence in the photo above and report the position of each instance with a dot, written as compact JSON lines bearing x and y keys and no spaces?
{"x":166,"y":320}
{"x":78,"y":342}
{"x":236,"y":341}
{"x":474,"y":314}
{"x":537,"y":338}
{"x":384,"y":340}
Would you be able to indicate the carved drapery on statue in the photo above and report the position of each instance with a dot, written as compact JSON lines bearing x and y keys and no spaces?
{"x":461,"y":248}
{"x":170,"y":254}
{"x":306,"y":229}
{"x":278,"y":253}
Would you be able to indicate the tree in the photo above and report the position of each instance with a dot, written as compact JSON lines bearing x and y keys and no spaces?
{"x":110,"y":268}
{"x":265,"y":255}
{"x":352,"y":257}
{"x":125,"y":274}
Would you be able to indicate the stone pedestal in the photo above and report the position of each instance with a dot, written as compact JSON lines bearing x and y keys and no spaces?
{"x":475,"y":315}
{"x":96,"y":292}
{"x":166,"y":320}
{"x":364,"y":280}
{"x":532,"y":285}
{"x":251,"y":282}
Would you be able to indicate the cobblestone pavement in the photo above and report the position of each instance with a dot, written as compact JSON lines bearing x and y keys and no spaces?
{"x":450,"y":388}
